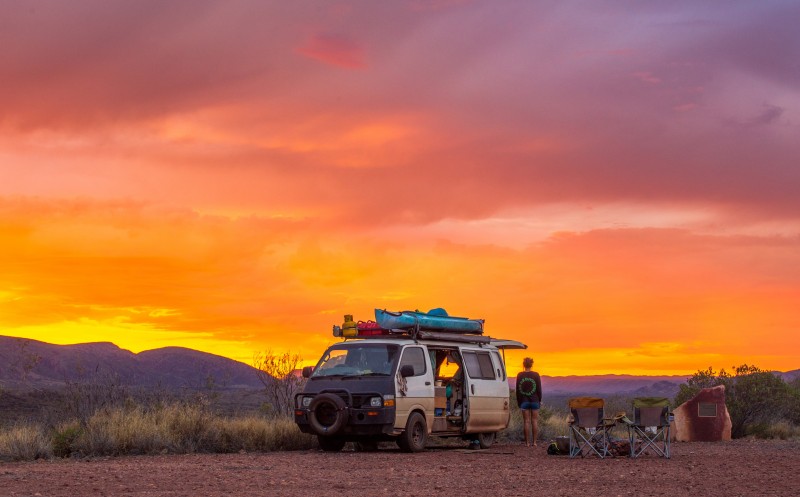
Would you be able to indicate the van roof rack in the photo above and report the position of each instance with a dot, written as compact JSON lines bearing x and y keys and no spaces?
{"x":425,"y":335}
{"x":500,"y":343}
{"x":404,"y":334}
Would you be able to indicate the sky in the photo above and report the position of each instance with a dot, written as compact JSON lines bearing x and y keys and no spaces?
{"x":614,"y":183}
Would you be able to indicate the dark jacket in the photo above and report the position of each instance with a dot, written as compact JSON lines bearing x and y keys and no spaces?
{"x":529,"y":387}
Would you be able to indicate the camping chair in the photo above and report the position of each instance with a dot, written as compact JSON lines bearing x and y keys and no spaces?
{"x":588,"y":430}
{"x":650,"y":426}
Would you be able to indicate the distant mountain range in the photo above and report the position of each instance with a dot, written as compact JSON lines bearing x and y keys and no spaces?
{"x":34,"y":364}
{"x":610,"y":384}
{"x":628,"y":385}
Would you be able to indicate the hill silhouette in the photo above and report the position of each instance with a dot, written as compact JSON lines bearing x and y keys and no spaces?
{"x":28,"y":363}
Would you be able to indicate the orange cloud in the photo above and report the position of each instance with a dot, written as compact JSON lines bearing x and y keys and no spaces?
{"x":658,"y":301}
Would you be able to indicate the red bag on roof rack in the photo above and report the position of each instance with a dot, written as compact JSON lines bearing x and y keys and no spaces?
{"x":370,"y":328}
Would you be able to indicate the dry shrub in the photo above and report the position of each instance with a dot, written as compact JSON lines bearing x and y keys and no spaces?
{"x":119,"y":431}
{"x":24,"y":443}
{"x":65,"y":438}
{"x":552,"y":423}
{"x":254,"y":433}
{"x":179,"y":428}
{"x":783,"y":430}
{"x":553,"y":426}
{"x":176,"y":428}
{"x":190,"y":428}
{"x":184,"y":428}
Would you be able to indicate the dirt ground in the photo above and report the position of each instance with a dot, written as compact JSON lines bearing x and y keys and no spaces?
{"x":741,"y":467}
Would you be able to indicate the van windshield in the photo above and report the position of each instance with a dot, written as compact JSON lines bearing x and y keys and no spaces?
{"x":358,"y":359}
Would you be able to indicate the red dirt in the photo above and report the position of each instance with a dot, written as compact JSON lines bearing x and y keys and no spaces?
{"x":740,"y":467}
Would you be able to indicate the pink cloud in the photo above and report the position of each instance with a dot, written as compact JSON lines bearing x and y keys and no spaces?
{"x":647,"y":77}
{"x":685,"y":107}
{"x":334,"y":50}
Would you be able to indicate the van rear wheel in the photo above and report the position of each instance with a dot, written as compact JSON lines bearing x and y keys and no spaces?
{"x":416,"y":434}
{"x":486,"y":439}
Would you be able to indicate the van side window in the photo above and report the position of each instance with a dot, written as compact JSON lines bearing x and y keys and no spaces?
{"x":479,"y":365}
{"x":416,"y":358}
{"x":501,"y":368}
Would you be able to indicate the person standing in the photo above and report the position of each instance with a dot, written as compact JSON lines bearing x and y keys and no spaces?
{"x":529,"y":399}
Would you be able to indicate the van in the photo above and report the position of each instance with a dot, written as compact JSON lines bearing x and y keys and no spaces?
{"x":405,"y":389}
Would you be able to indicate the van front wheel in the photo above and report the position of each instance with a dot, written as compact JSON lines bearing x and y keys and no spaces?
{"x":331,"y":444}
{"x":416,"y":434}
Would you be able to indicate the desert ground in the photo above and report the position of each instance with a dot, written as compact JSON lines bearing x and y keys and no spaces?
{"x":740,"y":467}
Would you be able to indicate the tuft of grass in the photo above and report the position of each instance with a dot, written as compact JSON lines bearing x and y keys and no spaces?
{"x":120,"y":431}
{"x":553,"y":426}
{"x":189,"y":428}
{"x":552,"y":423}
{"x":782,"y":429}
{"x":64,"y":438}
{"x":255,"y":433}
{"x":24,"y":443}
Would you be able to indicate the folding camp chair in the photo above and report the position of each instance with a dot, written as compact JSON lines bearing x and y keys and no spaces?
{"x":588,"y":430}
{"x":650,"y":426}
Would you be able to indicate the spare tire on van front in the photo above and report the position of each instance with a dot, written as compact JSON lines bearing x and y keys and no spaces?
{"x":327,"y":414}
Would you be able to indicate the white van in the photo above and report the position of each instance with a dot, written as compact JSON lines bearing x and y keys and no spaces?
{"x":385,"y":388}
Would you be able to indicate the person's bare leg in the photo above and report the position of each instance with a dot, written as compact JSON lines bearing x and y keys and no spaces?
{"x":535,"y":422}
{"x":526,"y":425}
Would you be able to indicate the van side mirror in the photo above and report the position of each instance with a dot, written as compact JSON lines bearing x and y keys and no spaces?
{"x":307,"y":370}
{"x":406,"y":370}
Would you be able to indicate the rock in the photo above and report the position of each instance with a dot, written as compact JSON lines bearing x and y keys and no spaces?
{"x":703,"y":418}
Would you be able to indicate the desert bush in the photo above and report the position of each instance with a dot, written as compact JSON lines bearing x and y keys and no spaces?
{"x":255,"y":433}
{"x":64,"y":439}
{"x":190,"y":427}
{"x":617,"y":404}
{"x":513,"y":433}
{"x":120,"y":431}
{"x":277,"y":372}
{"x":754,"y":397}
{"x":783,"y":430}
{"x":24,"y":443}
{"x":553,"y":426}
{"x":91,"y":392}
{"x":552,"y":423}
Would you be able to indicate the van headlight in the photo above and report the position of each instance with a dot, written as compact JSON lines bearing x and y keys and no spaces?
{"x":375,"y":402}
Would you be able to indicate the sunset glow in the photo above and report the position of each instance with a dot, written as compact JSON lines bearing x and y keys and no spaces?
{"x":614,"y":184}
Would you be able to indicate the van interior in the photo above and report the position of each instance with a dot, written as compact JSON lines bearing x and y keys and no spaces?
{"x":449,"y":412}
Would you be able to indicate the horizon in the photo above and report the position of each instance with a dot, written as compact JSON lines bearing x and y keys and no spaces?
{"x":613,"y":185}
{"x":510,"y":375}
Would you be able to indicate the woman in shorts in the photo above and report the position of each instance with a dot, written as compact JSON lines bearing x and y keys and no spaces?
{"x":529,"y":399}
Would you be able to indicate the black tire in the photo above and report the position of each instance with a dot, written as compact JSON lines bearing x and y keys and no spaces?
{"x":366,"y":445}
{"x":415,"y":435}
{"x":327,"y":414}
{"x":486,"y":439}
{"x":331,"y":444}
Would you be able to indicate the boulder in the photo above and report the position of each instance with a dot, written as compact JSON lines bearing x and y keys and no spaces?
{"x":703,"y":418}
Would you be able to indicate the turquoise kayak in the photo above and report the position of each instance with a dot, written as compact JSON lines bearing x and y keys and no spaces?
{"x":435,"y":320}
